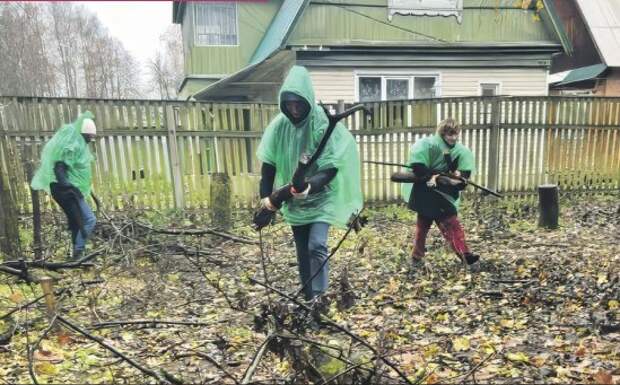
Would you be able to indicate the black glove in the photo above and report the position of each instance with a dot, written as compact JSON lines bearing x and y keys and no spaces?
{"x":263,"y":217}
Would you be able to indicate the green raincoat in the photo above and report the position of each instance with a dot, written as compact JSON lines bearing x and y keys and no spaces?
{"x":68,"y":146}
{"x":283,"y":144}
{"x":430,"y":152}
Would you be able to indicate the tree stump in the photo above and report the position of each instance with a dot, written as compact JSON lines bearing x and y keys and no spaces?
{"x":220,"y":201}
{"x":548,"y":206}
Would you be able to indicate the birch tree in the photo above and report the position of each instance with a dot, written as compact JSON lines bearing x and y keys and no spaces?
{"x":165,"y":69}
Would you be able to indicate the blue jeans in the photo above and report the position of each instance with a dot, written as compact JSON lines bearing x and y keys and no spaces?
{"x":88,"y":220}
{"x":311,"y":244}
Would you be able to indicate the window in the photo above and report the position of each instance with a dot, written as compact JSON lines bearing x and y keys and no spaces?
{"x":489,"y":89}
{"x":387,"y":87}
{"x":425,"y":87}
{"x":216,"y":23}
{"x":369,"y":89}
{"x":397,"y":89}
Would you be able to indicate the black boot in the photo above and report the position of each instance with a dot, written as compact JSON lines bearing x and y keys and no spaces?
{"x":473,"y":262}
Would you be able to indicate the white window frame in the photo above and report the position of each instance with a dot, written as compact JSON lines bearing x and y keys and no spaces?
{"x":384,"y":75}
{"x":196,"y":43}
{"x":495,"y":82}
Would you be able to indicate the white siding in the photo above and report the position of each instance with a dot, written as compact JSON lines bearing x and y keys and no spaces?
{"x":330,"y":85}
{"x":513,"y":81}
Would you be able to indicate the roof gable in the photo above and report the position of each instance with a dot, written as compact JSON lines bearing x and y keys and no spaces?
{"x":602,"y":17}
{"x":279,"y":29}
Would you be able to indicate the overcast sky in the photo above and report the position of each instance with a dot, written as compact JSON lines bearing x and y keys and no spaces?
{"x":137,"y":24}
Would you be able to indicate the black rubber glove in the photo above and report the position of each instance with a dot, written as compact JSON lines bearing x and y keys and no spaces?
{"x":263,"y":217}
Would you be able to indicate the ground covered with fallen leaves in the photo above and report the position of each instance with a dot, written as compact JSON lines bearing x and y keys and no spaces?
{"x":188,"y":308}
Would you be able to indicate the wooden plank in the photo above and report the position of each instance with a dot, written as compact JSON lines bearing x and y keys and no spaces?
{"x":175,"y":165}
{"x":494,"y":145}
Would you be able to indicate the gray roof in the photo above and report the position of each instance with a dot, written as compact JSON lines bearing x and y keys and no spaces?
{"x":603,"y":20}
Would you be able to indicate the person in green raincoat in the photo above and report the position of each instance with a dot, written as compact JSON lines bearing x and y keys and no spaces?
{"x":436,"y":197}
{"x":65,"y":173}
{"x":333,"y":190}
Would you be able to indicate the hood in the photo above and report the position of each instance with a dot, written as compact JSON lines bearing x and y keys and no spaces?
{"x":297,"y":82}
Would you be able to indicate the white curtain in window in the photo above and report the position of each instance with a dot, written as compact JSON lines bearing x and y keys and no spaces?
{"x":397,"y":89}
{"x":216,"y":23}
{"x":424,"y":87}
{"x":370,"y":89}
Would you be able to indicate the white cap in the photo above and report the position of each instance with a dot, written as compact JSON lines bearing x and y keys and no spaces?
{"x":88,"y":127}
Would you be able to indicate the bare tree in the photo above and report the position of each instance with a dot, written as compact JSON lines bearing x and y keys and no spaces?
{"x":64,"y":26}
{"x":25,"y":66}
{"x":165,"y":68}
{"x":61,"y":49}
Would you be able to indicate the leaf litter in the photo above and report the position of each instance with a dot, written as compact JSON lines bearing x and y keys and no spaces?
{"x":544,"y":308}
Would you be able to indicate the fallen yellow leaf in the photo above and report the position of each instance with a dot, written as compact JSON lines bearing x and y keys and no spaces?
{"x":45,"y":368}
{"x":507,"y":323}
{"x":518,"y":357}
{"x":612,"y":304}
{"x":461,"y":344}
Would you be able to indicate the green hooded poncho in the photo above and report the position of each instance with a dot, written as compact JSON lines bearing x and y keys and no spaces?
{"x":430,"y":152}
{"x":282,"y":145}
{"x":68,"y":146}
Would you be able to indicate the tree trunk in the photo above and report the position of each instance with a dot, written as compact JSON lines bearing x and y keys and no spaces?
{"x":548,"y":206}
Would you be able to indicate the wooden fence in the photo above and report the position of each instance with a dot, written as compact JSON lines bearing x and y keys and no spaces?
{"x":161,"y":154}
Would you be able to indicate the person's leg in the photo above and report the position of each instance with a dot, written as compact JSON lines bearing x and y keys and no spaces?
{"x":88,"y":224}
{"x":455,"y":236}
{"x":423,"y":225}
{"x":65,"y":204}
{"x":301,"y":234}
{"x":317,"y":251}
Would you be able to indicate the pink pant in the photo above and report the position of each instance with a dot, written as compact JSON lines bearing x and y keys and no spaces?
{"x":451,"y":229}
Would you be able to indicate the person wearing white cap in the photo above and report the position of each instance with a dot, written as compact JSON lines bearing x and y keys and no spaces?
{"x":65,"y":172}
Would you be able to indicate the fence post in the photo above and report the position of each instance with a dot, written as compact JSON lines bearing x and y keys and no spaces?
{"x":9,"y":225}
{"x":36,"y":207}
{"x":494,"y":149}
{"x":173,"y":154}
{"x":340,"y":106}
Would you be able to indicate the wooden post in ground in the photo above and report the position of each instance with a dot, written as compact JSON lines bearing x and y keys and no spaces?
{"x":340,"y":106}
{"x":36,"y":207}
{"x":220,"y":201}
{"x":9,"y":227}
{"x":47,"y":285}
{"x":548,"y":206}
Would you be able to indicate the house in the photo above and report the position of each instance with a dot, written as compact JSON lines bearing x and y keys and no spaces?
{"x":363,"y":50}
{"x":593,"y":27}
